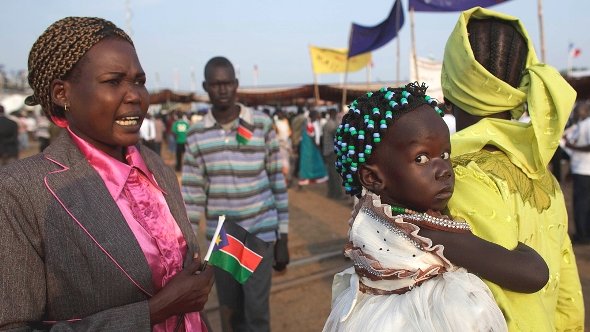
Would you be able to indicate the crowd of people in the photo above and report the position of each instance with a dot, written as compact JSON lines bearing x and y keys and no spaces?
{"x":464,"y":231}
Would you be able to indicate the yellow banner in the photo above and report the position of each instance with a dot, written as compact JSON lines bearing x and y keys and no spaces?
{"x":333,"y":60}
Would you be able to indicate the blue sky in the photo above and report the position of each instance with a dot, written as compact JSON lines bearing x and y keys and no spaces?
{"x":174,"y":39}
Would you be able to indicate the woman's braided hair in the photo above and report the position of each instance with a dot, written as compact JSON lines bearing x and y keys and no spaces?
{"x":365,"y":124}
{"x":498,"y":47}
{"x":59,"y":49}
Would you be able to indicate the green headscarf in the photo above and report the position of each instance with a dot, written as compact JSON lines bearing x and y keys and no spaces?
{"x":547,"y":96}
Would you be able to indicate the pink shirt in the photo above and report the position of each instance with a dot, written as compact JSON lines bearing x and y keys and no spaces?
{"x":142,"y":203}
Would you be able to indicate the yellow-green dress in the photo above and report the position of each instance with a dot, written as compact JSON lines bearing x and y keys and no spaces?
{"x":503,"y":205}
{"x":507,"y":195}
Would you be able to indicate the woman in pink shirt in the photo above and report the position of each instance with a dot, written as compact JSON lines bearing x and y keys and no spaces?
{"x":95,"y":235}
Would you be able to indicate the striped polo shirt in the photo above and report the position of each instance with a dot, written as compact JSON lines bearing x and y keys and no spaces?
{"x":244,"y":182}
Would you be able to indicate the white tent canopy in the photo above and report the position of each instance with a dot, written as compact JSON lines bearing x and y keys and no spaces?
{"x":16,"y":102}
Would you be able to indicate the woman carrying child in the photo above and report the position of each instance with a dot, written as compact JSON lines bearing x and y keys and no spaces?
{"x":490,"y":76}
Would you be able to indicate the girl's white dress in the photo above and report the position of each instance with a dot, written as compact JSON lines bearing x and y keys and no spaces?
{"x":401,"y":282}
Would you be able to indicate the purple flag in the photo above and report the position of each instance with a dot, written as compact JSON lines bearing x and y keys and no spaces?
{"x":366,"y":39}
{"x":450,"y":5}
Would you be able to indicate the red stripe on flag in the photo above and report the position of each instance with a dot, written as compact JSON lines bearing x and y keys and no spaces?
{"x":248,"y":258}
{"x":245,"y":132}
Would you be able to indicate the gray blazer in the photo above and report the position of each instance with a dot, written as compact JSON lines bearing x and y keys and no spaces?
{"x":51,"y":268}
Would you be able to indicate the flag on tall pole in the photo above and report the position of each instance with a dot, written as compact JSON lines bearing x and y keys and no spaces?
{"x":574,"y":51}
{"x":365,"y":39}
{"x":450,"y":5}
{"x":235,"y":251}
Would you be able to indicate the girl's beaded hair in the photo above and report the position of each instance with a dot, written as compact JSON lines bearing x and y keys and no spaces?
{"x":365,"y":124}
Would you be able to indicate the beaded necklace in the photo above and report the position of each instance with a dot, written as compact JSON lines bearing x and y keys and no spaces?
{"x":431,"y":222}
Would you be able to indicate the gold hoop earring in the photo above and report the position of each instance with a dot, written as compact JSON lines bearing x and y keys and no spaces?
{"x":65,"y":107}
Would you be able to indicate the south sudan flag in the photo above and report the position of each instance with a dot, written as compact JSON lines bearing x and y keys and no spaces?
{"x":237,"y":251}
{"x":245,"y":131}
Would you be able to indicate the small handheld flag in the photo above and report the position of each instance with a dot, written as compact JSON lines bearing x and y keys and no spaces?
{"x":235,"y":251}
{"x":245,"y":131}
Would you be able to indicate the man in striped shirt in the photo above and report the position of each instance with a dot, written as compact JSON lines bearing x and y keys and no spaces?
{"x":232,"y":167}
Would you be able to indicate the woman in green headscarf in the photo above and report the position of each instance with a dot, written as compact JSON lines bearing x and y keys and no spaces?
{"x":490,"y":76}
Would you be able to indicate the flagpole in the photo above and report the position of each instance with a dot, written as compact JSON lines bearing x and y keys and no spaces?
{"x":344,"y":83}
{"x":569,"y":63}
{"x":541,"y":30}
{"x":255,"y":74}
{"x":220,"y":222}
{"x":316,"y":89}
{"x":413,"y":36}
{"x":397,"y":18}
{"x":346,"y":72}
{"x":368,"y":72}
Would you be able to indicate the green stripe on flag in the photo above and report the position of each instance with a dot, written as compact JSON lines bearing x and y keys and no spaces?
{"x":241,"y":139}
{"x":230,"y":264}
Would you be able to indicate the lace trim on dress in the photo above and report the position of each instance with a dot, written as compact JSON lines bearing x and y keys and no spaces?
{"x":370,"y":268}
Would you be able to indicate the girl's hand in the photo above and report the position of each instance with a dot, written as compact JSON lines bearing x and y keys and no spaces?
{"x":188,"y":291}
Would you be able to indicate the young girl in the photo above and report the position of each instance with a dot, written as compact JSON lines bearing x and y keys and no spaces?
{"x":393,"y":144}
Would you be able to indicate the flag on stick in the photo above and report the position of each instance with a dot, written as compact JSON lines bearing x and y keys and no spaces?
{"x":365,"y":39}
{"x":450,"y":5}
{"x":245,"y":131}
{"x":235,"y":251}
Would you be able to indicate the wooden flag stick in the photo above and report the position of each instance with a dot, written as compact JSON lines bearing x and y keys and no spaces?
{"x":220,"y":222}
{"x":316,"y":89}
{"x":345,"y":82}
{"x":346,"y":71}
